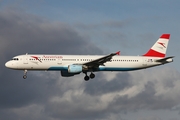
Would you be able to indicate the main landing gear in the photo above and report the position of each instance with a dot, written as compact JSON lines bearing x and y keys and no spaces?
{"x":86,"y":78}
{"x":25,"y":74}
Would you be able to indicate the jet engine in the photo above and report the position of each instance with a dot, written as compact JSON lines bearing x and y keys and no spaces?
{"x":67,"y":74}
{"x":75,"y":68}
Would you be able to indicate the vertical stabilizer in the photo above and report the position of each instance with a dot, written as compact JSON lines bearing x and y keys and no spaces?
{"x":160,"y":47}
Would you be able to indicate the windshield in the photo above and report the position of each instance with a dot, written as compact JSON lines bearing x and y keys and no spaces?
{"x":15,"y":59}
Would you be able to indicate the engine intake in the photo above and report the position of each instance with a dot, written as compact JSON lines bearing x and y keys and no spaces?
{"x":75,"y":68}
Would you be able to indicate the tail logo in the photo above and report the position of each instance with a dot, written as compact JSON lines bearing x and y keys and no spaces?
{"x":163,"y":44}
{"x":160,"y":47}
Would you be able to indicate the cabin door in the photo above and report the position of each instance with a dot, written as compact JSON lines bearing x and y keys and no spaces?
{"x":25,"y":59}
{"x":59,"y":62}
{"x":145,"y":61}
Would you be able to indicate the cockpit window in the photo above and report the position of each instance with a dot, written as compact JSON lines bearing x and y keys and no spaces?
{"x":15,"y":59}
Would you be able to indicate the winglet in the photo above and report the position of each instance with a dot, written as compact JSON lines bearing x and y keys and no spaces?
{"x":118,"y":53}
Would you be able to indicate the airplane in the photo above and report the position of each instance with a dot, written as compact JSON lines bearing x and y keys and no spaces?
{"x":70,"y":65}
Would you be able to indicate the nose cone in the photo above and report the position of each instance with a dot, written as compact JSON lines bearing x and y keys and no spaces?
{"x":10,"y":64}
{"x":7,"y":64}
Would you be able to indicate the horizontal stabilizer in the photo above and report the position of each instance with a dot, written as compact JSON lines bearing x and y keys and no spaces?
{"x":165,"y":60}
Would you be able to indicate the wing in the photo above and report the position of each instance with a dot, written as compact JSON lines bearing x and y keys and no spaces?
{"x":100,"y":61}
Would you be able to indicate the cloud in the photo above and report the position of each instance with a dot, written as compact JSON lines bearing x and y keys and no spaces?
{"x":20,"y":33}
{"x":29,"y":33}
{"x":101,"y":98}
{"x":105,"y":24}
{"x":120,"y":82}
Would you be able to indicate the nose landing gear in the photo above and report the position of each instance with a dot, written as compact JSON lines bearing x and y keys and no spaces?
{"x":25,"y":74}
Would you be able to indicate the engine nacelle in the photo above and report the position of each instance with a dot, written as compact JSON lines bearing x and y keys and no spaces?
{"x":67,"y":74}
{"x":75,"y":68}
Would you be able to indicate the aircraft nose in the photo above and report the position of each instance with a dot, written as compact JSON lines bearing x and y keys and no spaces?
{"x":8,"y":64}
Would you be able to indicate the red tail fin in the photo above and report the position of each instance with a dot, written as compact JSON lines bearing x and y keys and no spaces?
{"x":160,"y":47}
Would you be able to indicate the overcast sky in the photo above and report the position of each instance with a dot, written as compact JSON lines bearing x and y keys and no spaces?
{"x":89,"y":27}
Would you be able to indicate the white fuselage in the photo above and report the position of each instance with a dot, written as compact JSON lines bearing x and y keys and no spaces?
{"x":70,"y":65}
{"x":61,"y":62}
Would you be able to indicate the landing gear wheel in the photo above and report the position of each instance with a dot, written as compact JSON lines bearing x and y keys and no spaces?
{"x":86,"y":78}
{"x":24,"y":76}
{"x":92,"y":75}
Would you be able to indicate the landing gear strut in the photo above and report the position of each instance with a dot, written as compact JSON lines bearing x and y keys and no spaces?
{"x":86,"y":78}
{"x":25,"y":74}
